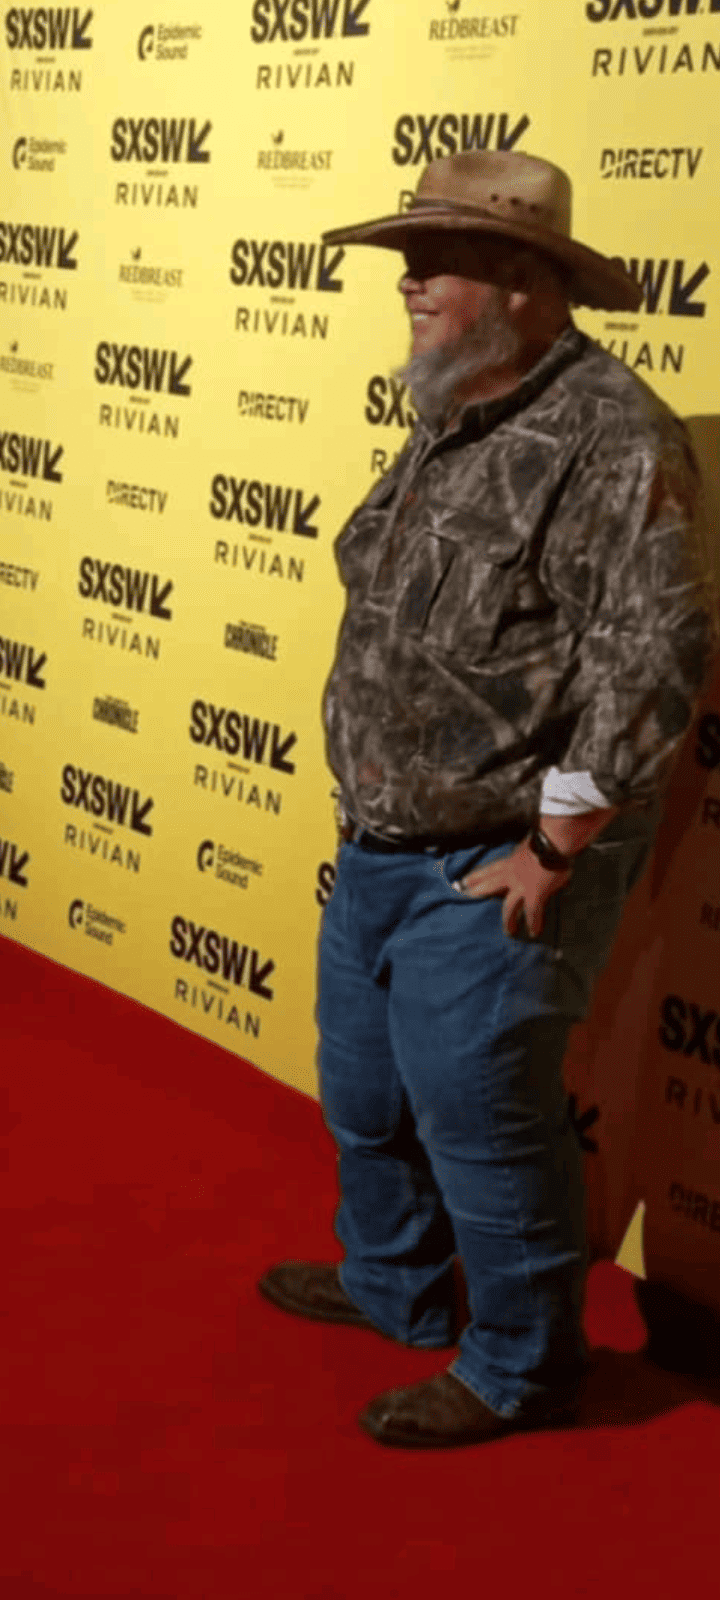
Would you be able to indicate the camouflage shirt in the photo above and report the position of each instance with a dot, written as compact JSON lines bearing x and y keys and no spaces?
{"x":525,"y":589}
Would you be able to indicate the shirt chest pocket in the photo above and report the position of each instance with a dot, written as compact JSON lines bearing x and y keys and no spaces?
{"x":465,"y":586}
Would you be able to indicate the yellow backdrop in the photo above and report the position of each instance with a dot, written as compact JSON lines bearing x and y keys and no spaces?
{"x":194,"y":396}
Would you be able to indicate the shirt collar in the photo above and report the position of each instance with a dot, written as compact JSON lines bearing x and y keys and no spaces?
{"x":478,"y":416}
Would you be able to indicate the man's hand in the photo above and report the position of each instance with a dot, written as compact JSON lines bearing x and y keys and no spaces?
{"x":524,"y":883}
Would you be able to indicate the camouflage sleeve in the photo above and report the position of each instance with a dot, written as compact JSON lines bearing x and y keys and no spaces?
{"x":652,"y":635}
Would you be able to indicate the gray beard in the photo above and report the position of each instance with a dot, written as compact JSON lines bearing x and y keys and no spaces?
{"x":434,"y":377}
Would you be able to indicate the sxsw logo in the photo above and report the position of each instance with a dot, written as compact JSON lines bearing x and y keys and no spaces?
{"x":128,"y":588}
{"x":646,"y":10}
{"x":238,"y":734}
{"x":428,"y":138}
{"x":13,"y":863}
{"x":215,"y":952}
{"x":20,"y":663}
{"x":102,"y":797}
{"x":668,"y":286}
{"x":47,"y":28}
{"x":293,"y":21}
{"x":387,"y":403}
{"x":690,"y":1029}
{"x":163,"y":139}
{"x":286,"y":264}
{"x":139,"y":367}
{"x":28,"y":457}
{"x":267,"y":505}
{"x":33,"y":245}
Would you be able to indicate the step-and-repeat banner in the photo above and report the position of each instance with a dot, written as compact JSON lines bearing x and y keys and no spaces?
{"x":195,"y":393}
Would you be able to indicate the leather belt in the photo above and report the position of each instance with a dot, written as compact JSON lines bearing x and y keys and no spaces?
{"x":354,"y":833}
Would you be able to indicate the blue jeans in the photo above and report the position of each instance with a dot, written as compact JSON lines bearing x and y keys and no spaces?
{"x":441,"y":1049}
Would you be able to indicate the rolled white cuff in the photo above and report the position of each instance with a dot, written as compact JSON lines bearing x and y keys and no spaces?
{"x":569,"y":794}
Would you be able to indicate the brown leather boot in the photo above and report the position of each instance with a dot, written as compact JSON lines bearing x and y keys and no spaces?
{"x":312,"y":1289}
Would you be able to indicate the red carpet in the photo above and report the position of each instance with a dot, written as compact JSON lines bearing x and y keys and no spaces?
{"x":167,"y":1433}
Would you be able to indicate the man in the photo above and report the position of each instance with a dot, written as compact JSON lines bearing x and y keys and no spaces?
{"x":527,"y":631}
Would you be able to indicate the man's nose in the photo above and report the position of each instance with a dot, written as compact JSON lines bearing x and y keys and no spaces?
{"x":409,"y":282}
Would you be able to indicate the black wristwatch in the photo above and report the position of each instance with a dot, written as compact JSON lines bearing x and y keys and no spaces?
{"x":546,"y":853}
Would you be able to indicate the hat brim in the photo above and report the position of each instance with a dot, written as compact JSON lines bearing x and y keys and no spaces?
{"x":594,"y":280}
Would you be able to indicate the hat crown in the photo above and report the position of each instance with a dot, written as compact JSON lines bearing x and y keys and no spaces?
{"x":504,"y":183}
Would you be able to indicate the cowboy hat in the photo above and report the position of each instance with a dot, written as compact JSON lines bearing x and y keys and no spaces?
{"x":505,"y":193}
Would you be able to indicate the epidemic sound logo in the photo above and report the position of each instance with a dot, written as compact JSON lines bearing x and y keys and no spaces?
{"x":24,"y":457}
{"x":139,"y":367}
{"x":266,"y":505}
{"x":37,"y":155}
{"x":115,"y":713}
{"x":428,"y":138}
{"x":225,"y":861}
{"x":7,"y":778}
{"x":95,"y":923}
{"x":167,"y":41}
{"x":651,"y":162}
{"x":235,"y":733}
{"x":281,"y":162}
{"x":13,"y":863}
{"x":103,"y":797}
{"x":387,"y":404}
{"x":216,"y":953}
{"x":158,"y":142}
{"x":146,"y":280}
{"x":24,"y":371}
{"x":252,"y":638}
